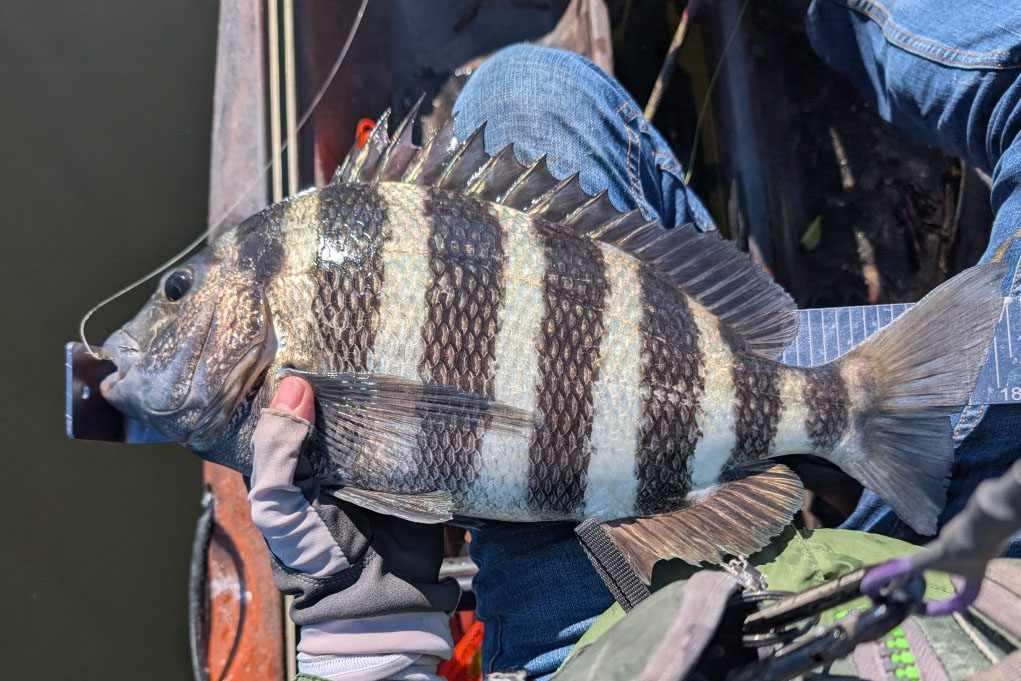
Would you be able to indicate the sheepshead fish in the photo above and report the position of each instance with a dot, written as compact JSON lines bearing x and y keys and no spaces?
{"x":487,"y":341}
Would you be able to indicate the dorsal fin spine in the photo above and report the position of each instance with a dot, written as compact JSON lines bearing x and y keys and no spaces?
{"x":541,"y":203}
{"x":459,"y":169}
{"x":704,"y":266}
{"x":477,"y":184}
{"x":368,"y":156}
{"x":509,"y":196}
{"x":400,"y":145}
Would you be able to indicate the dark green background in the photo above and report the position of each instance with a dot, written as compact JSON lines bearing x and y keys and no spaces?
{"x":105,"y":112}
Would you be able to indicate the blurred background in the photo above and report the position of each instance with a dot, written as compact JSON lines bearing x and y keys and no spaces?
{"x":105,"y":108}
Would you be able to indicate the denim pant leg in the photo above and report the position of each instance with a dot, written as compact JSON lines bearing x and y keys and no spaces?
{"x":950,"y":73}
{"x":556,"y":103}
{"x":537,"y":592}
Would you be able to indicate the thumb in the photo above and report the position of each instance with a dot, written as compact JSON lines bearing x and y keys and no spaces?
{"x":295,"y":395}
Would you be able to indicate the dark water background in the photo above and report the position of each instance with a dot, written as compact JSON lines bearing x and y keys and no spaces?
{"x":105,"y":111}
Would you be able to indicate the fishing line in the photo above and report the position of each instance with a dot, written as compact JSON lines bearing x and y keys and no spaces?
{"x":216,"y":223}
{"x":709,"y":90}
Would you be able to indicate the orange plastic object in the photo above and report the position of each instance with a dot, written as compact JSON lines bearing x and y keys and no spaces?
{"x":363,"y":130}
{"x":466,"y":663}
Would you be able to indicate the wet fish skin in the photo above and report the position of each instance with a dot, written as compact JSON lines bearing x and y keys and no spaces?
{"x":642,"y":397}
{"x":540,"y":371}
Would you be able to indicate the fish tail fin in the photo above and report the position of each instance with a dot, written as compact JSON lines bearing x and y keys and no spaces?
{"x":903,"y":383}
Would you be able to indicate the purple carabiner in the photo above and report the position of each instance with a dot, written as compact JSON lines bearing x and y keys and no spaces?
{"x":884,"y":573}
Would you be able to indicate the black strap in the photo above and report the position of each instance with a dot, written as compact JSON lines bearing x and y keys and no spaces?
{"x":611,"y":566}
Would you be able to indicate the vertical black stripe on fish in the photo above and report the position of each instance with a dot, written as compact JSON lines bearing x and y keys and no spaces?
{"x":349,"y":274}
{"x":757,"y":404}
{"x":827,"y":405}
{"x":672,"y":385}
{"x":260,"y":243}
{"x":459,"y":333}
{"x":574,"y":293}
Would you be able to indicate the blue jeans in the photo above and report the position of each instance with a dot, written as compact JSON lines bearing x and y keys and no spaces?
{"x":950,"y":73}
{"x":943,"y":72}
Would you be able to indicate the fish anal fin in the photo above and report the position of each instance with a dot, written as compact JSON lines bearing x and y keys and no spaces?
{"x":748,"y":508}
{"x":430,"y":507}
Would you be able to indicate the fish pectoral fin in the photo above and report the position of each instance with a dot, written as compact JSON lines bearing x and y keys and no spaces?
{"x":430,"y":507}
{"x":751,"y":506}
{"x":376,"y":423}
{"x":379,"y":420}
{"x":376,"y":413}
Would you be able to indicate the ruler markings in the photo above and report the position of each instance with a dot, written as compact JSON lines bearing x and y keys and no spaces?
{"x":824,"y":325}
{"x":823,"y":337}
{"x":809,"y":317}
{"x":1010,"y":344}
{"x":996,"y":363}
{"x":850,"y":330}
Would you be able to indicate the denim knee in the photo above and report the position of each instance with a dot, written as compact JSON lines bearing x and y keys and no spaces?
{"x":559,"y":104}
{"x":528,"y":94}
{"x":527,"y":87}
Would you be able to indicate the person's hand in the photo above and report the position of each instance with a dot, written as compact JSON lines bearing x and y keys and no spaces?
{"x":367,"y":595}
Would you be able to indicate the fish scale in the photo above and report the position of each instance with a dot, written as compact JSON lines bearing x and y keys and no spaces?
{"x":672,"y":381}
{"x":758,"y":408}
{"x":346,"y":298}
{"x":465,"y":259}
{"x":574,"y":287}
{"x":499,"y":345}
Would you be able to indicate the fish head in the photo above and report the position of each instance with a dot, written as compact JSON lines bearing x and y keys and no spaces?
{"x":197,"y":351}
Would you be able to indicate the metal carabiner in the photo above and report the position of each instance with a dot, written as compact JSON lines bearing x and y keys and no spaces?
{"x":891,"y":606}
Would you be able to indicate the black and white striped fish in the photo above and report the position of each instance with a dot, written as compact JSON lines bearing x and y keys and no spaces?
{"x":487,"y":341}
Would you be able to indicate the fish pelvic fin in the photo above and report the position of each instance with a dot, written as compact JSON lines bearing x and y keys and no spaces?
{"x":705,"y":266}
{"x":428,"y":508}
{"x":905,"y":381}
{"x":747,"y":508}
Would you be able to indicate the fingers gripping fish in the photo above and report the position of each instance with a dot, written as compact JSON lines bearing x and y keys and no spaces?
{"x":487,"y":341}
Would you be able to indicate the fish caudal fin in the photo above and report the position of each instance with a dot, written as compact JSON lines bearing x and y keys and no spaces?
{"x":738,"y":517}
{"x":903,"y":384}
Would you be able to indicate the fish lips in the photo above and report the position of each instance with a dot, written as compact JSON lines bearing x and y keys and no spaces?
{"x":123,"y":350}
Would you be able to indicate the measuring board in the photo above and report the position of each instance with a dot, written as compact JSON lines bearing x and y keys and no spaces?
{"x":825,"y":334}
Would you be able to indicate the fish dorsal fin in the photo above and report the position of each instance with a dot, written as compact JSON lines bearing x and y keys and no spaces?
{"x":363,"y":164}
{"x":720,"y":277}
{"x":740,"y":517}
{"x":707,"y":267}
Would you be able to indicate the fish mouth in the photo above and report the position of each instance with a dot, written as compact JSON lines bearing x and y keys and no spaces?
{"x":239,"y":385}
{"x":123,"y":350}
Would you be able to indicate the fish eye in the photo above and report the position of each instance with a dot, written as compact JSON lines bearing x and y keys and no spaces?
{"x":177,"y":285}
